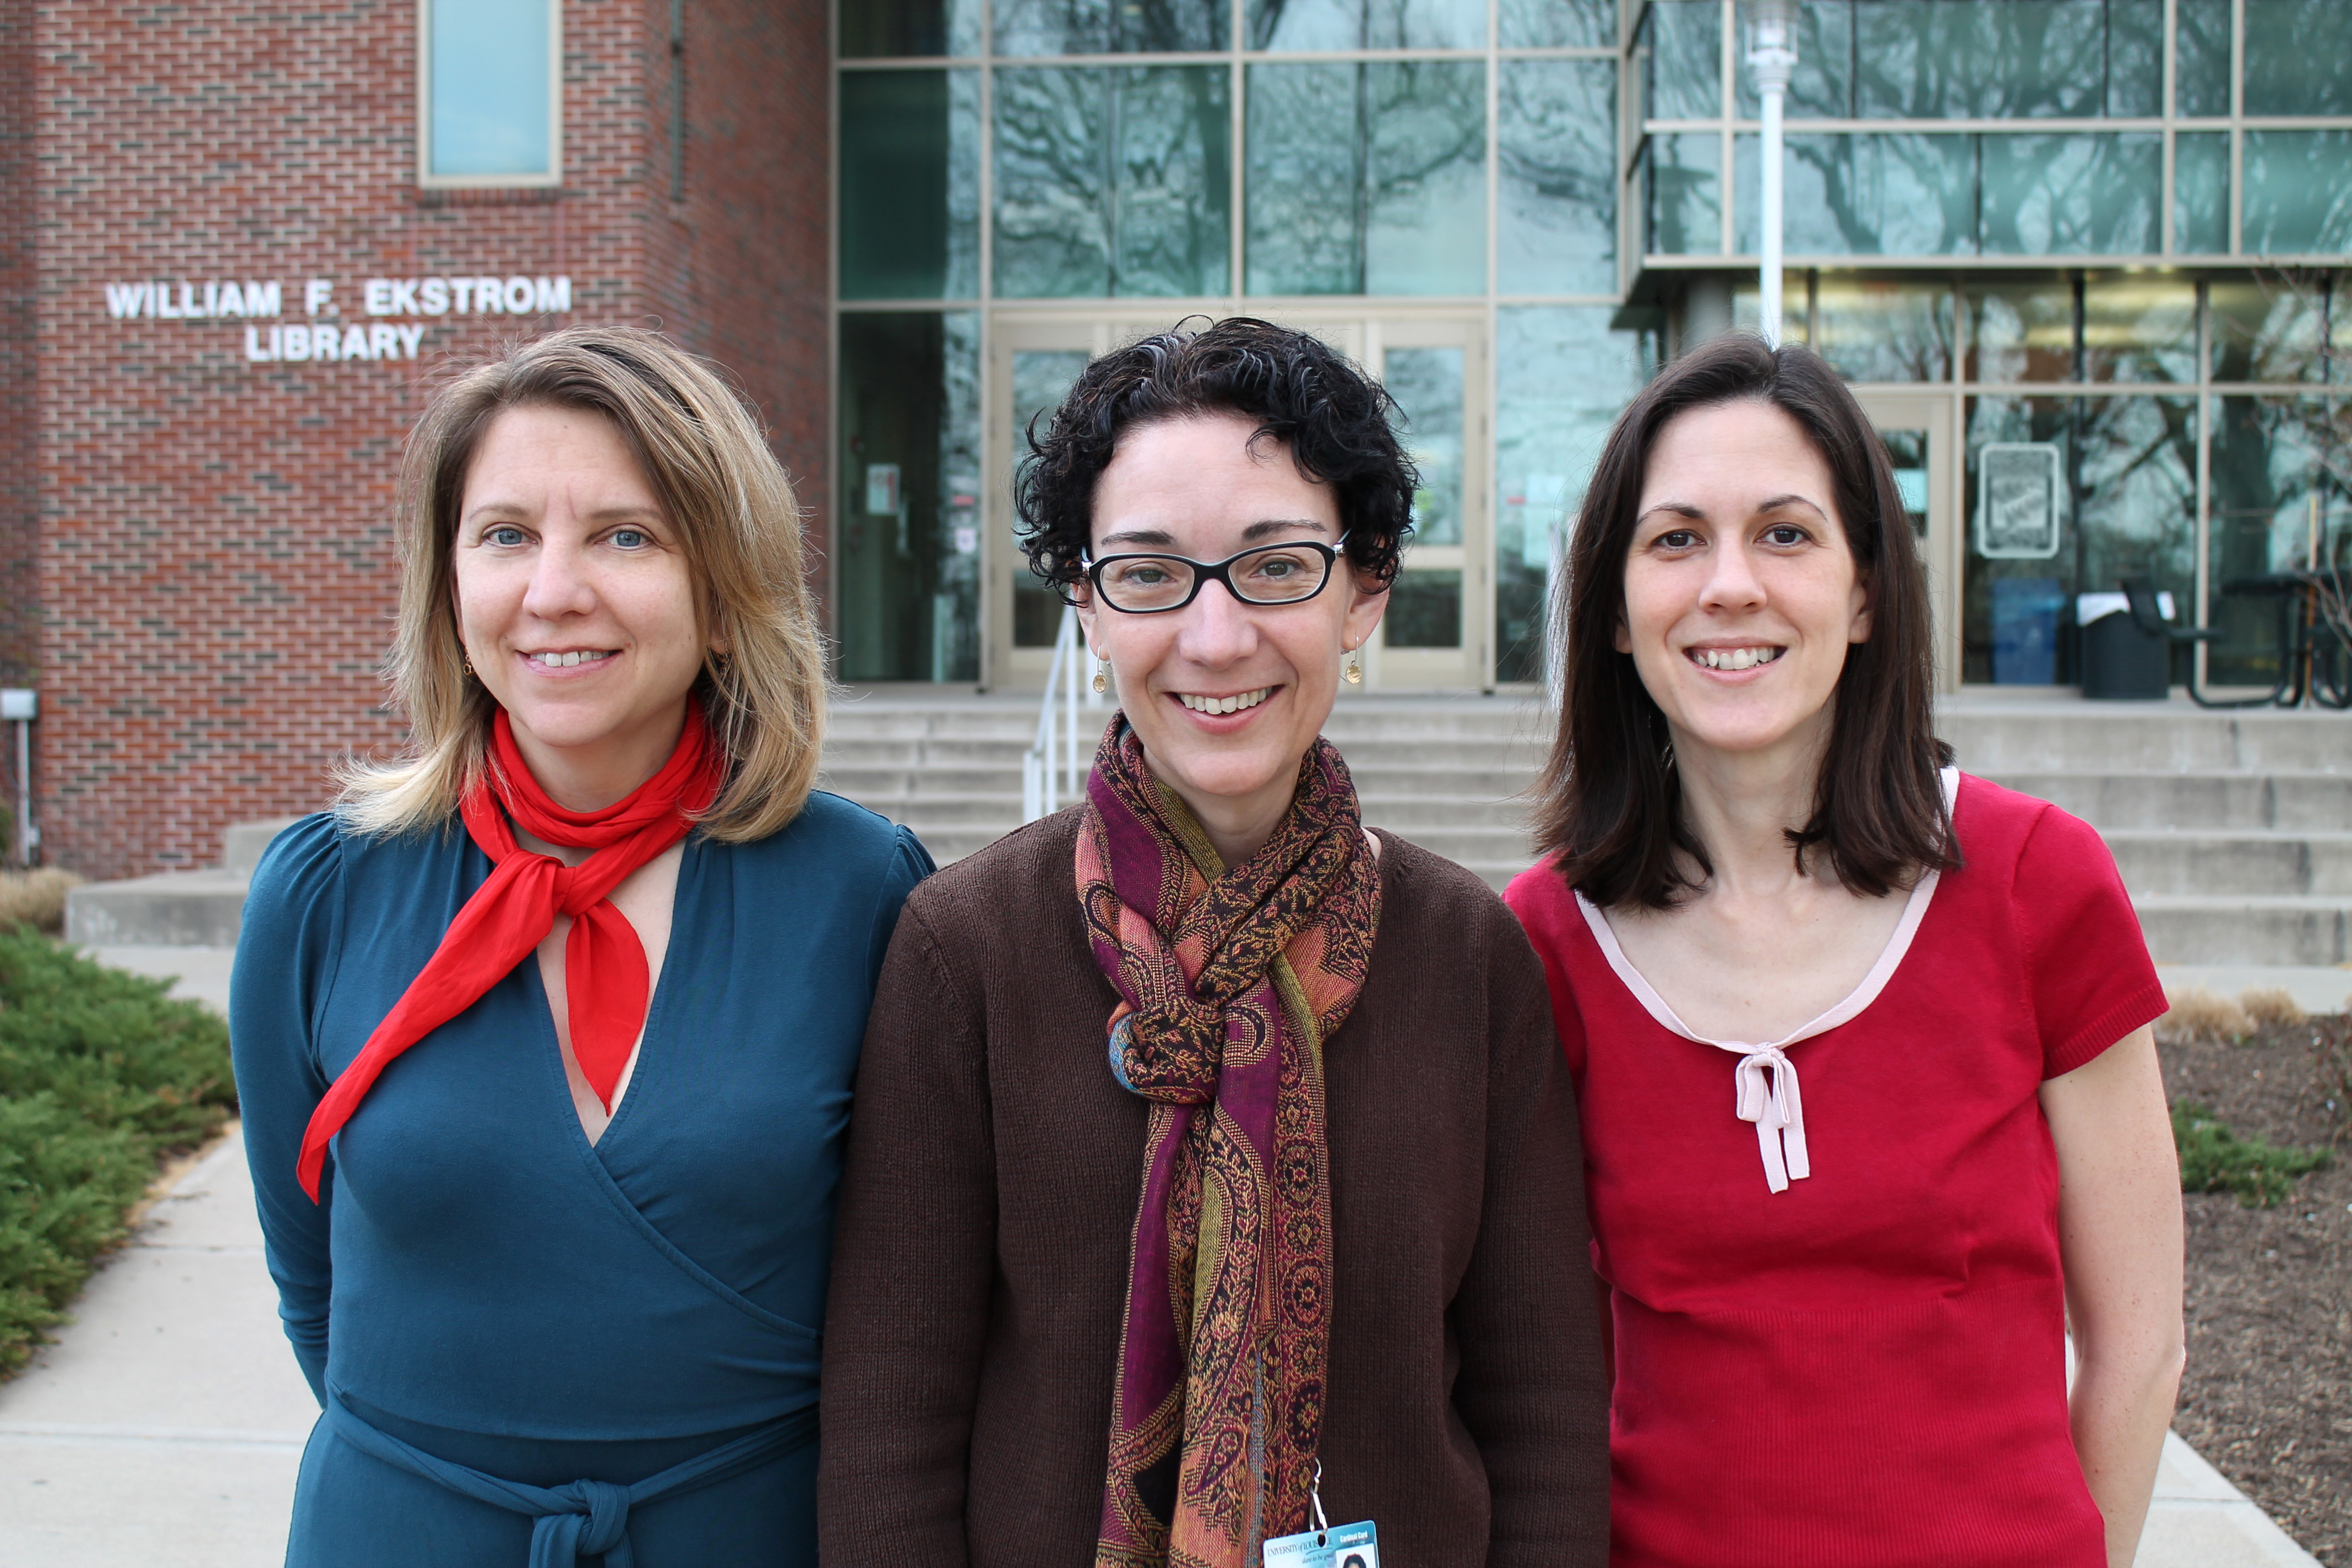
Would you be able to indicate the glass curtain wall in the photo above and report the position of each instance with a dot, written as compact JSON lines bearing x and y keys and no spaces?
{"x":1270,"y":156}
{"x":2004,"y":129}
{"x":2140,"y":291}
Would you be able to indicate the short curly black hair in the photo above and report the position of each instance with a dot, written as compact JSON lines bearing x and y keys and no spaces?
{"x":1333,"y":420}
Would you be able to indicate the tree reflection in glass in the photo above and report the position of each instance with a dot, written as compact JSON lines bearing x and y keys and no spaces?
{"x":1368,"y":179}
{"x":1112,"y":181}
{"x":1893,"y":194}
{"x":1928,"y":59}
{"x":2298,"y":56}
{"x":1312,"y":25}
{"x":1557,"y":229}
{"x":2298,"y":192}
{"x":1426,"y":385}
{"x":1048,"y":27}
{"x":2265,"y":329}
{"x":1557,"y":24}
{"x":1884,"y":329}
{"x":2071,"y":195}
{"x":2136,"y":327}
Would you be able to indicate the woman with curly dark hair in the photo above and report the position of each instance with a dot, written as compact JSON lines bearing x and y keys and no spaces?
{"x":1319,"y":1213}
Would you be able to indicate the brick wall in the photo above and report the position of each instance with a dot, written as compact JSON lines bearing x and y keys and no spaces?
{"x":215,"y":578}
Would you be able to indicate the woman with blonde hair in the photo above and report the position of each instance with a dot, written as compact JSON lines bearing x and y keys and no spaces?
{"x":545,"y":1034}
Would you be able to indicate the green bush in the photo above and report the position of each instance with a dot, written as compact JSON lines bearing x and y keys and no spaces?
{"x":101,"y":1074}
{"x":2215,"y":1160}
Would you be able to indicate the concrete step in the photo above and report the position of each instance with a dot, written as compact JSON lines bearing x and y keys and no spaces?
{"x":2123,"y":800}
{"x":173,"y":908}
{"x":2215,"y":864}
{"x":2094,"y":738}
{"x":2222,"y":929}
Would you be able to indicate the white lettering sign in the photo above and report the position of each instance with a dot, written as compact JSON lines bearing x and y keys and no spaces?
{"x":193,"y":300}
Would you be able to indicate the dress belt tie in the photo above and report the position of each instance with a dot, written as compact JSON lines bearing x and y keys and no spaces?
{"x":579,"y":1518}
{"x":1764,"y":1092}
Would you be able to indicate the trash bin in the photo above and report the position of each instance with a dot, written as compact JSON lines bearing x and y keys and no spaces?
{"x":2025,"y":630}
{"x":2121,"y":662}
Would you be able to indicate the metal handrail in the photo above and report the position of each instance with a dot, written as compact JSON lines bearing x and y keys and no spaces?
{"x":1052,"y":770}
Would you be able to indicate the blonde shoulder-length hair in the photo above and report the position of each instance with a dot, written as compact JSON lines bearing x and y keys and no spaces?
{"x":739,"y":528}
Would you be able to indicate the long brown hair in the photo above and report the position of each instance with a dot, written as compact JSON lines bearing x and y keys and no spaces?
{"x":720,"y":487}
{"x":1610,"y":801}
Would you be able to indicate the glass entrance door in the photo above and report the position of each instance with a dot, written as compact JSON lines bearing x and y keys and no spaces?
{"x":1438,"y":631}
{"x":1917,"y":428}
{"x":1439,"y":628}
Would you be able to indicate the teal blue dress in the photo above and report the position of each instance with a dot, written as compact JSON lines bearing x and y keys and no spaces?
{"x":530,"y":1349}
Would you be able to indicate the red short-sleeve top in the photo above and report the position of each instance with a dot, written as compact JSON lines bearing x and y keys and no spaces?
{"x":1839,"y":1320}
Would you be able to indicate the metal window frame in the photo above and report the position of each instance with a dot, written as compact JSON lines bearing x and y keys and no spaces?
{"x":425,"y":178}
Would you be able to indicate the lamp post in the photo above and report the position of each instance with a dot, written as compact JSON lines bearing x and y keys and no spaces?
{"x":1773,"y":56}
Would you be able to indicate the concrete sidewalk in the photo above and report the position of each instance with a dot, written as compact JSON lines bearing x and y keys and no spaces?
{"x":167,"y":1423}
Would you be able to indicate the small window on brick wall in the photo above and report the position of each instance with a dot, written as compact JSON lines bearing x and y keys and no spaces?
{"x":488,"y":92}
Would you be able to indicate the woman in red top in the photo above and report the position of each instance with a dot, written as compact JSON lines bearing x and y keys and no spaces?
{"x":1838,"y":1317}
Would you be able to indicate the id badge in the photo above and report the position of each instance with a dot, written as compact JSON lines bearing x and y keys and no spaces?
{"x":1325,"y":1546}
{"x":1342,"y":1546}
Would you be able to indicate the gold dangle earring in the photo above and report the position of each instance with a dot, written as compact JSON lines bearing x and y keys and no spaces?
{"x":1102,"y":676}
{"x":1354,"y":668}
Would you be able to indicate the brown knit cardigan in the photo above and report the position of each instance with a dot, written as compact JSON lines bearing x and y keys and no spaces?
{"x":989,"y":1203}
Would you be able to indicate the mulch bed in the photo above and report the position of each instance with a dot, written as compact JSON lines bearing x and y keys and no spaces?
{"x":2268,"y":1395}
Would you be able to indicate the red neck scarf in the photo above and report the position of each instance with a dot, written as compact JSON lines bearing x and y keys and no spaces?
{"x":605,"y":982}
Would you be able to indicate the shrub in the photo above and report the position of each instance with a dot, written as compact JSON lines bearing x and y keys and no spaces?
{"x":2215,"y":1160}
{"x":2196,"y":1015}
{"x":102,"y":1073}
{"x":36,"y":899}
{"x":2269,"y":1007}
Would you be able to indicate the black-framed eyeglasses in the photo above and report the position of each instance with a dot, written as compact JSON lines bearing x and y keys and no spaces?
{"x":1286,"y":574}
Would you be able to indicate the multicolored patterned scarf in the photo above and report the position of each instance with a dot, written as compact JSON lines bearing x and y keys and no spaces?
{"x":1229,"y":983}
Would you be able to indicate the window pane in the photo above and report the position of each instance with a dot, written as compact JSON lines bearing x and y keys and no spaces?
{"x":1304,"y":25}
{"x":873,"y":28}
{"x":2265,"y":330}
{"x":1685,"y":59}
{"x":1041,"y":379}
{"x":2020,"y":328}
{"x":2298,"y":192}
{"x":1927,"y":59}
{"x":489,"y":87}
{"x":1561,"y":377}
{"x":1410,"y":139}
{"x":2002,"y":598}
{"x":1425,"y":610}
{"x":1053,"y":178}
{"x":1426,"y":385}
{"x":2200,"y":192}
{"x":2268,"y":455}
{"x":910,"y":185}
{"x":1111,"y":182}
{"x":1173,"y":217}
{"x":907,"y":563}
{"x":1048,"y":27}
{"x":2298,"y":56}
{"x":1556,"y":231}
{"x":2074,"y":194}
{"x":1871,"y":194}
{"x":2200,"y":66}
{"x":1822,"y":87}
{"x":1558,"y":23}
{"x":2135,"y":57}
{"x":2137,"y":502}
{"x":2139,"y":328}
{"x":1686,"y":195}
{"x":1884,"y":329}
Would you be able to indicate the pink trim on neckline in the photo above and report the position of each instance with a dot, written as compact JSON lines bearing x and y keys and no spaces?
{"x":1890,"y":958}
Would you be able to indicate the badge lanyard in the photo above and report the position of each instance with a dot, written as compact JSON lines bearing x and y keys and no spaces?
{"x":1348,"y":1546}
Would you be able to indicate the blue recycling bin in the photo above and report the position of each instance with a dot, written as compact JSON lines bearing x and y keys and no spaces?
{"x":2025,"y":630}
